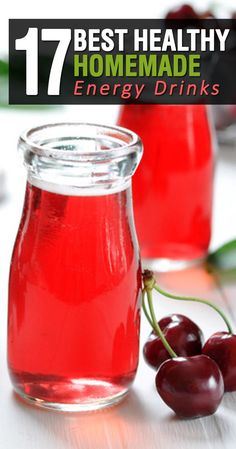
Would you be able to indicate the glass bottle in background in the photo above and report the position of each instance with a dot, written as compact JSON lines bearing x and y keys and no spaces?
{"x":75,"y":278}
{"x":172,"y":188}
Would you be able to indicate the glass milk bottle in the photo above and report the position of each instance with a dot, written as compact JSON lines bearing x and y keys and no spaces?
{"x":75,"y":277}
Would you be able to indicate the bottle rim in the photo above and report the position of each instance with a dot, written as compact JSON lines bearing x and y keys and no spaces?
{"x":122,"y":141}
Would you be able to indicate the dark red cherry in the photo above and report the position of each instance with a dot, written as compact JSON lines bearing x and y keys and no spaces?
{"x":221,"y":347}
{"x":182,"y":12}
{"x":192,"y":387}
{"x":183,"y":335}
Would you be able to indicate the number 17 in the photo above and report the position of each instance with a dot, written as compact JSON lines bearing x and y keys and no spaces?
{"x":29,"y":43}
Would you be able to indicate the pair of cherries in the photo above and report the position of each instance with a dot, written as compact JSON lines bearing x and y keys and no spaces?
{"x":191,"y":377}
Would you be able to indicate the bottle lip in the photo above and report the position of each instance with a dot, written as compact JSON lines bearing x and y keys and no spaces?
{"x":122,"y":141}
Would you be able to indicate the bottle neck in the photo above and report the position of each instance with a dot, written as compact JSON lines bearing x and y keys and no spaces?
{"x":70,"y":189}
{"x":80,"y":159}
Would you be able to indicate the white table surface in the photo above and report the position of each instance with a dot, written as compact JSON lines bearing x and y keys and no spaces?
{"x":142,"y":420}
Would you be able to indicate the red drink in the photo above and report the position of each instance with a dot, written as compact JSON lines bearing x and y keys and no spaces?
{"x":74,"y":295}
{"x":172,"y":189}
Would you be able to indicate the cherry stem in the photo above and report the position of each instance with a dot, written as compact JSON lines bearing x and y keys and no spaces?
{"x":154,"y":323}
{"x":145,"y":309}
{"x":150,"y":279}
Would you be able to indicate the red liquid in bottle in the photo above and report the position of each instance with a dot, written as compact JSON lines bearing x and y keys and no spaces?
{"x":172,"y":189}
{"x":74,"y":298}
